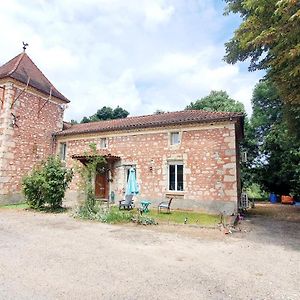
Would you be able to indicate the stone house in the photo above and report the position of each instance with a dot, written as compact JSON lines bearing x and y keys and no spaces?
{"x":192,"y":156}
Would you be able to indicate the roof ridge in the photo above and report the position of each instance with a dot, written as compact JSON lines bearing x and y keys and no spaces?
{"x":132,"y":117}
{"x":180,"y":112}
{"x":158,"y":120}
{"x":17,"y":64}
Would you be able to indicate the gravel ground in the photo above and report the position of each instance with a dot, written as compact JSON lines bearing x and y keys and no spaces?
{"x":52,"y":256}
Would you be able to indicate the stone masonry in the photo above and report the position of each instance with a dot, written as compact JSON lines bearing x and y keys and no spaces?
{"x":26,"y":135}
{"x":207,"y":151}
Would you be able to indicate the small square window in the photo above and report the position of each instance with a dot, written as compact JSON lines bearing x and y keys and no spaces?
{"x":103,"y":143}
{"x":175,"y":139}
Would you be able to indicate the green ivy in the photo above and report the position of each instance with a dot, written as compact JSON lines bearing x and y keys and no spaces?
{"x":94,"y":162}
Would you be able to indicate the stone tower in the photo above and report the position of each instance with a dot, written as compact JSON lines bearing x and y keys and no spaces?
{"x":31,"y":110}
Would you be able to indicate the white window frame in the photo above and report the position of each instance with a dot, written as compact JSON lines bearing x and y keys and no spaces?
{"x":176,"y":163}
{"x":63,"y":151}
{"x":105,"y":142}
{"x":171,"y":138}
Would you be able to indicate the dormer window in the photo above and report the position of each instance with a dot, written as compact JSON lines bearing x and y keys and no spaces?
{"x":103,"y":143}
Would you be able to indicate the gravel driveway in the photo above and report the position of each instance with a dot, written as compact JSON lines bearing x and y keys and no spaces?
{"x":46,"y":256}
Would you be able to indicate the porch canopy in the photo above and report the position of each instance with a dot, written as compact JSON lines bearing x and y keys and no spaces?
{"x":85,"y":158}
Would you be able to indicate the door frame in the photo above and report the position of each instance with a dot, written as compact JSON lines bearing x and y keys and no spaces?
{"x":106,"y":185}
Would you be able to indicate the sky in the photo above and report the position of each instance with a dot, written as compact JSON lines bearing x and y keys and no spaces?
{"x":142,"y":55}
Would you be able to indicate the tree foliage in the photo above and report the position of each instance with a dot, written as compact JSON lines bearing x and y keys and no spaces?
{"x":281,"y":171}
{"x":106,"y":113}
{"x":47,"y":184}
{"x":273,"y":152}
{"x":217,"y":101}
{"x":269,"y":36}
{"x":267,"y":109}
{"x":159,"y":112}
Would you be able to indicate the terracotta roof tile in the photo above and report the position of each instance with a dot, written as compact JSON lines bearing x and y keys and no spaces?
{"x":159,"y":120}
{"x":85,"y":158}
{"x":21,"y":67}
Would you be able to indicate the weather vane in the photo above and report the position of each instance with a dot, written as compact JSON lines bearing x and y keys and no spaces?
{"x":24,"y":46}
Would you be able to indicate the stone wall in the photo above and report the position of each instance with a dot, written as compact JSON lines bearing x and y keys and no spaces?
{"x":208,"y":153}
{"x":26,"y":128}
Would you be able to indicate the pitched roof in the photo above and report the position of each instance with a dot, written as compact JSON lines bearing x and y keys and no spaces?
{"x":156,"y":120}
{"x":22,"y":67}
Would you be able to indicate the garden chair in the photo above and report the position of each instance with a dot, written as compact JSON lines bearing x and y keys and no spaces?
{"x":127,"y":203}
{"x":165,"y":205}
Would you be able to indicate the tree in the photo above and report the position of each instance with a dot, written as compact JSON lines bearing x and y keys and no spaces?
{"x":159,"y":112}
{"x":85,"y":120}
{"x":266,"y":106}
{"x":280,"y":173}
{"x":106,"y":113}
{"x":269,"y":36}
{"x":217,"y":101}
{"x":119,"y":113}
{"x":273,"y":153}
{"x":267,"y":109}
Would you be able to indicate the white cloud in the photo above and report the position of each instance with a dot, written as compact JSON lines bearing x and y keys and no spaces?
{"x":187,"y":77}
{"x":155,"y":13}
{"x":139,"y":54}
{"x":175,"y":63}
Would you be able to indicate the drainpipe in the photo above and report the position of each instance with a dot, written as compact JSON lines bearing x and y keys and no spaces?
{"x":53,"y":143}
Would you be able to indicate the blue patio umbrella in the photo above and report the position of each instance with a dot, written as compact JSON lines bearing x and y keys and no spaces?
{"x":132,"y":187}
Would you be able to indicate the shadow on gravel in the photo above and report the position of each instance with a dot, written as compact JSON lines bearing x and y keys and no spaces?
{"x":274,"y":224}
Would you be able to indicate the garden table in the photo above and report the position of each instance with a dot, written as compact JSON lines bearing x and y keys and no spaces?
{"x":145,"y":204}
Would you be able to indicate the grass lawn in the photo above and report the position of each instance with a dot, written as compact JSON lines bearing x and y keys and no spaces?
{"x":15,"y":206}
{"x":175,"y":217}
{"x":179,"y":216}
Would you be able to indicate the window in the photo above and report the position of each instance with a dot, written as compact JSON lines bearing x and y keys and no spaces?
{"x":176,"y":177}
{"x":63,"y":151}
{"x":175,"y":140}
{"x":103,"y":143}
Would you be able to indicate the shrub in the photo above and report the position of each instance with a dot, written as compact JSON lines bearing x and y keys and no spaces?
{"x":47,"y":184}
{"x":34,"y":189}
{"x":103,"y":214}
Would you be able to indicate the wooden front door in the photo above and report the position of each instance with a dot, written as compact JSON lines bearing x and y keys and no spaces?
{"x":101,"y":186}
